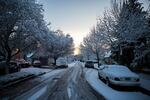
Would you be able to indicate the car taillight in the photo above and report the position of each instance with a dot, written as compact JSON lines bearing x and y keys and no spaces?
{"x":116,"y":79}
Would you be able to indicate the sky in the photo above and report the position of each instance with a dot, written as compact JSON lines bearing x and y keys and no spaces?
{"x":75,"y":17}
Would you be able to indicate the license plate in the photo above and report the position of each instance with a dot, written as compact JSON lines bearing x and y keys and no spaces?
{"x":127,"y":79}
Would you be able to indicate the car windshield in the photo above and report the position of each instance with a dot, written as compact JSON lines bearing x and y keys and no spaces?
{"x":120,"y":68}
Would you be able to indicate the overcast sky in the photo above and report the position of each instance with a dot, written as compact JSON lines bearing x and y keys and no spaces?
{"x":75,"y":17}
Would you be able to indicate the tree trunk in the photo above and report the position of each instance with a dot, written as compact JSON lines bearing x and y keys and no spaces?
{"x":98,"y":62}
{"x":8,"y":57}
{"x":98,"y":59}
{"x":7,"y":62}
{"x":55,"y":61}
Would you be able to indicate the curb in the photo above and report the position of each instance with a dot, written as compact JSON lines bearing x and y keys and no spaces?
{"x":145,"y":91}
{"x":21,"y":80}
{"x":96,"y":93}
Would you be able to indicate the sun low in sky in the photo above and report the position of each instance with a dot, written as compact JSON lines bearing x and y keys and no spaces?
{"x":75,"y":17}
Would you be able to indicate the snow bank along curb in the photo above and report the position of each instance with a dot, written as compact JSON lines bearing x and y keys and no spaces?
{"x":17,"y":77}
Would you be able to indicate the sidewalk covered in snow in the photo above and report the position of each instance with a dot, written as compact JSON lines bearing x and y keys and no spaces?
{"x":23,"y":74}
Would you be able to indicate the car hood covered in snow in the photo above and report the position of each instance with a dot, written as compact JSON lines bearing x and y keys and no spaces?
{"x":120,"y":71}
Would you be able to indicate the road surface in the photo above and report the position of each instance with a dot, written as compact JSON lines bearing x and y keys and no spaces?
{"x":72,"y":86}
{"x":16,"y":90}
{"x":62,"y":84}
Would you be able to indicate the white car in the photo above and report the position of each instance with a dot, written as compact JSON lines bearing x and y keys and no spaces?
{"x":118,"y":75}
{"x":37,"y":63}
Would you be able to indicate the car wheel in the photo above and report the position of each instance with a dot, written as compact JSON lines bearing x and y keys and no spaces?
{"x":99,"y":77}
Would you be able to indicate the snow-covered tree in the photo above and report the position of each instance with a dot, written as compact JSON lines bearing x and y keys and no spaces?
{"x":85,"y":53}
{"x":129,"y":28}
{"x":97,"y":43}
{"x":58,"y":45}
{"x":131,"y":22}
{"x":21,"y":23}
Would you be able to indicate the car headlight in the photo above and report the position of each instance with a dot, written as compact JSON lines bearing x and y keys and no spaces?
{"x":135,"y":79}
{"x":116,"y":79}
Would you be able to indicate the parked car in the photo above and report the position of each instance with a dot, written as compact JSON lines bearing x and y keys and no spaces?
{"x":118,"y":75}
{"x":89,"y":64}
{"x":14,"y":67}
{"x":37,"y":63}
{"x":23,"y":63}
{"x":2,"y":67}
{"x":61,"y":64}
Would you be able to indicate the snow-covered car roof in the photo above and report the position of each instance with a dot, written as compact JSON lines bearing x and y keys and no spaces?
{"x":36,"y":61}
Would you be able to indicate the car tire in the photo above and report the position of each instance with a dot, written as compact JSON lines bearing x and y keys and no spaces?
{"x":99,"y":77}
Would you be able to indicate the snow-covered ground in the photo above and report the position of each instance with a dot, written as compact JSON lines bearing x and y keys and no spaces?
{"x":145,"y":81}
{"x":109,"y":93}
{"x":145,"y":84}
{"x":75,"y":63}
{"x":35,"y":71}
{"x":71,"y":64}
{"x":22,"y":74}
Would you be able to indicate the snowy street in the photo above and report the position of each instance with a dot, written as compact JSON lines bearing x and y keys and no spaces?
{"x":74,"y":49}
{"x":73,"y":83}
{"x":68,"y":84}
{"x":72,"y":86}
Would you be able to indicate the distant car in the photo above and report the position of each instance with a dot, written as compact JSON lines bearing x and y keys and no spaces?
{"x":61,"y":63}
{"x":37,"y":63}
{"x":61,"y":66}
{"x":118,"y":75}
{"x":89,"y":64}
{"x":23,"y":63}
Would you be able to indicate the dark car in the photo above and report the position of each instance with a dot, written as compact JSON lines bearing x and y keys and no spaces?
{"x":89,"y":64}
{"x":13,"y":67}
{"x":23,"y":63}
{"x":3,"y":65}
